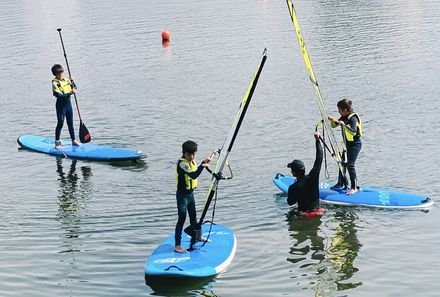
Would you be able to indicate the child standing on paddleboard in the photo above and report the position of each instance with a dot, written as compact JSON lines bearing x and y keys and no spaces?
{"x":62,"y":89}
{"x":351,"y":127}
{"x":187,"y":174}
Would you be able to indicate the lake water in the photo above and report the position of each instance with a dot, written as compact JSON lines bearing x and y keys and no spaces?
{"x":77,"y":228}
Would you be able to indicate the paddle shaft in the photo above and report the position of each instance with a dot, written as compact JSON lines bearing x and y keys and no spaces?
{"x":68,"y":70}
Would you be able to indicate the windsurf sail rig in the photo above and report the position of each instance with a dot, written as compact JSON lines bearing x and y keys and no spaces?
{"x":223,"y":153}
{"x":333,"y":148}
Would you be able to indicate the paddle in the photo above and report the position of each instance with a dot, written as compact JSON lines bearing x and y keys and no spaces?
{"x":84,"y":134}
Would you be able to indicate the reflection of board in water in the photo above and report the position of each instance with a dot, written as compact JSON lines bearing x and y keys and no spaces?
{"x":180,"y":286}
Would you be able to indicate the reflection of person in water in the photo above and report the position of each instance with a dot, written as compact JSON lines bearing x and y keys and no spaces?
{"x":344,"y":249}
{"x":73,"y":194}
{"x":307,"y":241}
{"x":69,"y":185}
{"x":324,"y":264}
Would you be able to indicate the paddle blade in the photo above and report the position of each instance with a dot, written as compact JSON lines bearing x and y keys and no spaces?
{"x":84,"y":134}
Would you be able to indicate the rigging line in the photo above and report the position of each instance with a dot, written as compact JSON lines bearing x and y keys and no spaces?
{"x":322,"y":139}
{"x":326,"y":173}
{"x":322,"y":108}
{"x":212,"y":216}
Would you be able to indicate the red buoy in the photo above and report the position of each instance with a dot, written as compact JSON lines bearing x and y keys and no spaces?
{"x":166,"y":35}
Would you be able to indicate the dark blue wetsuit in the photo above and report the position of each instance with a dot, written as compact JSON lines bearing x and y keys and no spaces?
{"x":305,"y":191}
{"x":63,"y":107}
{"x":353,"y":149}
{"x":185,"y":200}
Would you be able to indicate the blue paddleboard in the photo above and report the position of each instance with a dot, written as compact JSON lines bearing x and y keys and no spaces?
{"x":86,"y":151}
{"x":204,"y":261}
{"x":366,"y":196}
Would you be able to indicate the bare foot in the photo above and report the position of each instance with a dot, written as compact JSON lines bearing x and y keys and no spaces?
{"x":352,"y":191}
{"x":58,"y":145}
{"x":203,"y":239}
{"x":76,"y":143}
{"x":179,"y":249}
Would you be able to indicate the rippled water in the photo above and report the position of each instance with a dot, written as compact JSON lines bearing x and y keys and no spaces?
{"x":77,"y":228}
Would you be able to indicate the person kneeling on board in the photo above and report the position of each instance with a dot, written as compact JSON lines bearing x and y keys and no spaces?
{"x":187,"y":174}
{"x":305,"y":190}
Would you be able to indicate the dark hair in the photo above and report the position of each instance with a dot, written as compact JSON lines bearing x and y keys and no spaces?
{"x":189,"y":146}
{"x":345,"y":104}
{"x":298,"y":167}
{"x":57,"y":68}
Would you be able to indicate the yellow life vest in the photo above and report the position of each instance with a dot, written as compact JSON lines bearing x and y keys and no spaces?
{"x":62,"y":86}
{"x":349,"y":135}
{"x":184,"y":182}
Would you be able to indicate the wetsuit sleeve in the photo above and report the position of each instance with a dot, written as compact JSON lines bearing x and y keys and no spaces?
{"x":192,"y":174}
{"x":314,"y":173}
{"x":291,"y":197}
{"x":334,"y":124}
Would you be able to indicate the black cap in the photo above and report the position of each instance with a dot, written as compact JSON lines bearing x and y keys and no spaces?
{"x":296,"y":165}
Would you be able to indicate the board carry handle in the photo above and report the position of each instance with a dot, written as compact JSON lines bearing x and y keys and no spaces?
{"x":173,"y":266}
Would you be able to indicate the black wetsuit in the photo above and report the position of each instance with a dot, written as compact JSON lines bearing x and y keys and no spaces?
{"x":185,"y":200}
{"x":64,"y":110}
{"x":305,"y":191}
{"x":353,"y":149}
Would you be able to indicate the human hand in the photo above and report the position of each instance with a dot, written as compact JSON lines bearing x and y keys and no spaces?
{"x":205,"y":163}
{"x":333,"y":119}
{"x":317,"y":135}
{"x":73,"y":91}
{"x":71,"y":78}
{"x":341,"y":123}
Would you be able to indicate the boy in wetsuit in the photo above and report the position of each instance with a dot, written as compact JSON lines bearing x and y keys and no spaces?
{"x":305,"y":190}
{"x":62,"y":88}
{"x":351,"y":128}
{"x":187,"y":174}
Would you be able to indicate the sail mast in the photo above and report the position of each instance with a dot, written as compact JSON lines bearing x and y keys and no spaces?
{"x":230,"y":139}
{"x":322,"y":108}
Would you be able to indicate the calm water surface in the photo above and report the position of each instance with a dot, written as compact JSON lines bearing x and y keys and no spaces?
{"x":77,"y":228}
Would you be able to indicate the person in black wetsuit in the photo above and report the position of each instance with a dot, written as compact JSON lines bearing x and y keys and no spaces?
{"x":305,"y":190}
